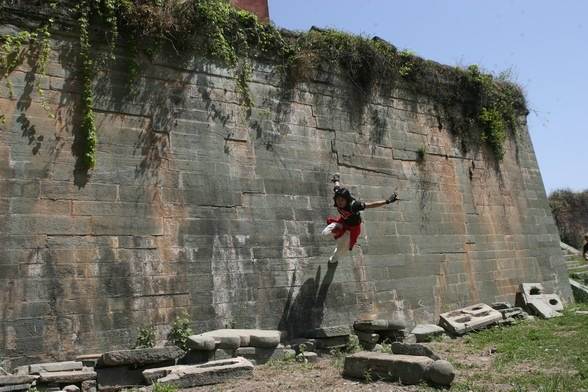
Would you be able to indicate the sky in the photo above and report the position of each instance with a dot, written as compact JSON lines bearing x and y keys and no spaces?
{"x":543,"y":43}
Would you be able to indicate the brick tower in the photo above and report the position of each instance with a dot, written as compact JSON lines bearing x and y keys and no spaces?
{"x":258,"y":7}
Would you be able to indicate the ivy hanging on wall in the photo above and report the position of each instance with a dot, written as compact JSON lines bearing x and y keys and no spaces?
{"x":235,"y":39}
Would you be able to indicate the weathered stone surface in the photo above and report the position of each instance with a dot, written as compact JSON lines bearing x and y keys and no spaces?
{"x":260,"y":356}
{"x":118,"y":377}
{"x":193,"y":357}
{"x":329,"y":332}
{"x":55,"y":367}
{"x":514,"y":312}
{"x":533,"y":297}
{"x":470,"y":318}
{"x":22,"y":370}
{"x":187,"y":376}
{"x":582,"y":312}
{"x":331,"y":343}
{"x":89,"y":360}
{"x":71,"y":388}
{"x":500,"y":305}
{"x":14,"y":387}
{"x":379,"y":325}
{"x":425,"y":332}
{"x":542,"y":309}
{"x":201,"y":343}
{"x":141,"y":356}
{"x":409,"y":338}
{"x":194,"y":205}
{"x":228,"y":338}
{"x":89,"y":385}
{"x":67,"y":377}
{"x":413,"y":349}
{"x":11,"y":380}
{"x":441,"y":372}
{"x":224,"y":353}
{"x":407,"y":369}
{"x":264,"y":339}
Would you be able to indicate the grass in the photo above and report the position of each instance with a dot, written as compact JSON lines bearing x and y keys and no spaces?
{"x":544,"y":355}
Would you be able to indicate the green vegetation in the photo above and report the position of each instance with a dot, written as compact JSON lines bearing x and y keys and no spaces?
{"x":145,"y":338}
{"x":157,"y":387}
{"x":570,"y":210}
{"x":180,"y":331}
{"x":234,"y":38}
{"x":544,"y":355}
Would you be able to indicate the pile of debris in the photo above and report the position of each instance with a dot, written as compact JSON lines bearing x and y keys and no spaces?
{"x":374,"y":332}
{"x":69,"y":376}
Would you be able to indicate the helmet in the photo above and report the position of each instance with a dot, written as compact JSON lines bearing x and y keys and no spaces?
{"x":343,"y":192}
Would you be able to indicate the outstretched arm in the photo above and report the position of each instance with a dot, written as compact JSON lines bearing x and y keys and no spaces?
{"x":375,"y":204}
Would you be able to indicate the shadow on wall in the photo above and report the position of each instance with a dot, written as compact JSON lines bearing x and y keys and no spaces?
{"x":305,"y":311}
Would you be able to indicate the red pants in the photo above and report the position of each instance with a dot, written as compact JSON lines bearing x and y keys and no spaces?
{"x":354,"y":231}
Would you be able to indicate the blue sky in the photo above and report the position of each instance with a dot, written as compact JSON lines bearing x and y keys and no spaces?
{"x":544,"y":43}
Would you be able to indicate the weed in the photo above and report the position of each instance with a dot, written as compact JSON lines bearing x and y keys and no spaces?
{"x":158,"y":387}
{"x":367,"y":376}
{"x":145,"y":338}
{"x":180,"y":331}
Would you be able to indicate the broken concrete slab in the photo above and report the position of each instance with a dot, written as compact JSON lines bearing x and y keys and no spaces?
{"x":187,"y":376}
{"x":15,"y":387}
{"x":407,"y":369}
{"x":67,"y":377}
{"x":554,"y":301}
{"x":201,"y":343}
{"x":500,"y":305}
{"x":328,"y":332}
{"x":415,"y":349}
{"x":541,"y":308}
{"x":259,"y":355}
{"x":15,"y":379}
{"x":441,"y":373}
{"x":378,"y":325}
{"x":426,"y":332}
{"x":55,"y":367}
{"x":141,"y":356}
{"x":470,"y":318}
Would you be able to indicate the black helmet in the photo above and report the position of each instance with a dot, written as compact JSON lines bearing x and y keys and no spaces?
{"x":344,"y":193}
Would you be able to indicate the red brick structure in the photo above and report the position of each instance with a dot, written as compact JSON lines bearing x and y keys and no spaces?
{"x":258,"y":7}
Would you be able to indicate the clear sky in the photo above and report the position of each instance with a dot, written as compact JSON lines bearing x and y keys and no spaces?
{"x":543,"y":42}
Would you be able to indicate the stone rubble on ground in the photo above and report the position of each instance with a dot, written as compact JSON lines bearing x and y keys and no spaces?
{"x":532,"y":296}
{"x":470,"y":318}
{"x":413,"y":349}
{"x":329,"y":338}
{"x":372,"y":332}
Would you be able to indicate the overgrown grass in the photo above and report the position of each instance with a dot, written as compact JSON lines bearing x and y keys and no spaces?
{"x":544,"y":355}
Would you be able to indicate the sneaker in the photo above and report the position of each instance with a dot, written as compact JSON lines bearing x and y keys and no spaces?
{"x":333,"y":260}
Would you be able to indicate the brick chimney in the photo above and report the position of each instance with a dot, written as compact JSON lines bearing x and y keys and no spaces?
{"x":258,"y":7}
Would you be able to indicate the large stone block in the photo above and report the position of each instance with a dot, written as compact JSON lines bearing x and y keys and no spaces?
{"x":12,"y":380}
{"x":379,"y":325}
{"x":55,"y":367}
{"x":141,"y":356}
{"x":407,"y":369}
{"x":470,"y":318}
{"x":187,"y":376}
{"x":67,"y":377}
{"x":258,"y":355}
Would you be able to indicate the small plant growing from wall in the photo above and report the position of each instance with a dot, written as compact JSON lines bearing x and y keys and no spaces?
{"x":180,"y":331}
{"x":421,"y":155}
{"x":145,"y":338}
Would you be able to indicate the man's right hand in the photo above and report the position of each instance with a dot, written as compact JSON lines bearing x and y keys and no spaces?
{"x":393,"y":197}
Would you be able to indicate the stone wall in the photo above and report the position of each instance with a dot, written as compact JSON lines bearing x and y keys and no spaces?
{"x":198,"y":204}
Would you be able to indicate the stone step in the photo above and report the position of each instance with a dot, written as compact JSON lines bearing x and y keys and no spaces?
{"x":581,"y":268}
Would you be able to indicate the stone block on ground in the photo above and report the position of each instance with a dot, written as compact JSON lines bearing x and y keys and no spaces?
{"x":441,"y":373}
{"x":193,"y":357}
{"x":415,"y":349}
{"x":378,"y":325}
{"x":407,"y":369}
{"x":15,"y":379}
{"x":470,"y":318}
{"x":22,"y":370}
{"x":328,"y":332}
{"x":514,"y":312}
{"x":187,"y":376}
{"x":259,"y":355}
{"x":118,"y":377}
{"x":55,"y":367}
{"x":409,"y":338}
{"x":14,"y":387}
{"x":141,"y":356}
{"x":67,"y":377}
{"x":224,"y":353}
{"x":201,"y":343}
{"x":500,"y":305}
{"x":532,"y":296}
{"x":542,"y":309}
{"x":233,"y":338}
{"x":71,"y":388}
{"x":426,"y":332}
